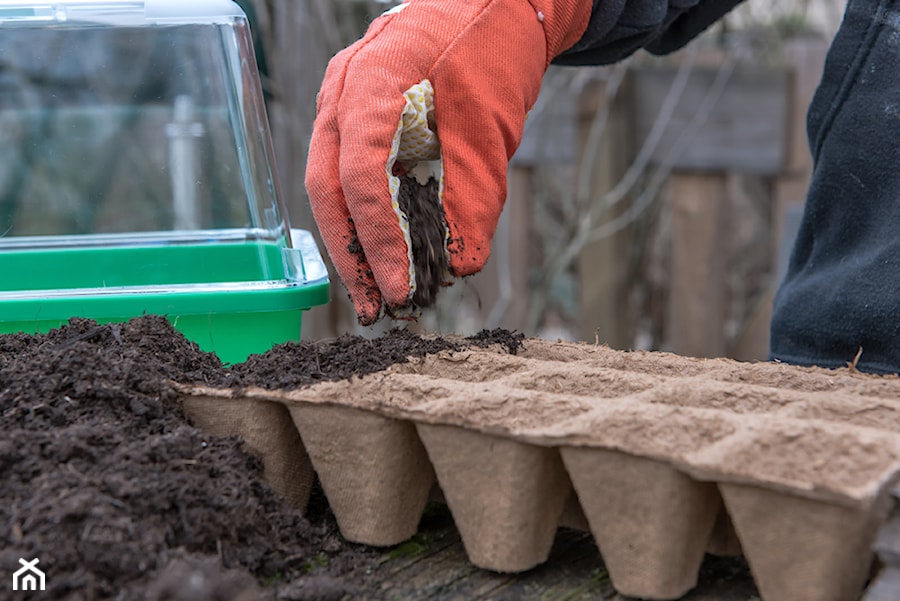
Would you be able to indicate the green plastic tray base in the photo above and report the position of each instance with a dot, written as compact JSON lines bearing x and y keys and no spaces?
{"x":231,"y":299}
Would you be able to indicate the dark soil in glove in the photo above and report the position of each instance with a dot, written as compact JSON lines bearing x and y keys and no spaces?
{"x":422,"y":207}
{"x":105,"y":481}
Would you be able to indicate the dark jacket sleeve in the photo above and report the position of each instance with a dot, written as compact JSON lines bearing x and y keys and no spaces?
{"x":618,"y":28}
{"x":842,"y":288}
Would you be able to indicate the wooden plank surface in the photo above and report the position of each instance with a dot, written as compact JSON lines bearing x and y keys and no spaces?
{"x":745,"y":129}
{"x":699,"y":237}
{"x":603,"y":265}
{"x":434,"y":566}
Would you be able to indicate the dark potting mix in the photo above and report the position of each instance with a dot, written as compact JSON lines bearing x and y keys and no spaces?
{"x":119,"y":496}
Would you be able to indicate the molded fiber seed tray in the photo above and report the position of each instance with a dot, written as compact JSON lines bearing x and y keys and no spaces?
{"x":669,"y":457}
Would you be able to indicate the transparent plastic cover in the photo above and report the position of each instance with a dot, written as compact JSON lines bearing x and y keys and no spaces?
{"x":132,"y":117}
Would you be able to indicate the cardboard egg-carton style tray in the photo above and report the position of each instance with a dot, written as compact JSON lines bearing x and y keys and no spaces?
{"x":663,"y":458}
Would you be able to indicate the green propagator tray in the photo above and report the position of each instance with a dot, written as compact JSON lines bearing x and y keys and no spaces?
{"x":234,"y":297}
{"x":137,"y":176}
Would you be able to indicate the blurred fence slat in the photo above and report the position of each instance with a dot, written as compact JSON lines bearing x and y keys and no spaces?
{"x":699,"y":234}
{"x":744,"y":130}
{"x":606,"y":316}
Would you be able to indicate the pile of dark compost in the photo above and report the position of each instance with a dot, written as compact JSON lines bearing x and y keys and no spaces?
{"x":108,"y":484}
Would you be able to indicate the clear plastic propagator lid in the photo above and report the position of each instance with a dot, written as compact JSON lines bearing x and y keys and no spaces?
{"x":135,"y":158}
{"x":132,"y":122}
{"x":124,"y":117}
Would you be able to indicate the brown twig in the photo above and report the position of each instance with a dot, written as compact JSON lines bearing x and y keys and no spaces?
{"x":851,"y":365}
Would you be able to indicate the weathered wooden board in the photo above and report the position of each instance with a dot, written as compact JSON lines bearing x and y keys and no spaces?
{"x":743,"y":123}
{"x":745,"y":129}
{"x":697,"y":303}
{"x":433,"y":566}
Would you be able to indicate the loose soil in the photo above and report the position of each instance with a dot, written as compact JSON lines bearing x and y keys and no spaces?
{"x":297,"y":364}
{"x":421,"y":205}
{"x":108,"y":483}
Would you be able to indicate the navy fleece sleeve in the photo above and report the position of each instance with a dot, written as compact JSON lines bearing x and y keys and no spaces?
{"x":842,"y":288}
{"x":618,"y":28}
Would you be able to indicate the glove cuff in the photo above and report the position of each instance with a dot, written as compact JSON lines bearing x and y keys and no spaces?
{"x":564,"y":22}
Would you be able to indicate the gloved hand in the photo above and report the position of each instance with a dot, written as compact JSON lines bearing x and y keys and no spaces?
{"x":465,"y":72}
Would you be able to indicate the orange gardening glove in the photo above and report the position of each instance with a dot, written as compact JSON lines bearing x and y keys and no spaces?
{"x":464,"y":72}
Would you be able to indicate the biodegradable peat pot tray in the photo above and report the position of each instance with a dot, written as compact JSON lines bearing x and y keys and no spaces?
{"x":670,"y":458}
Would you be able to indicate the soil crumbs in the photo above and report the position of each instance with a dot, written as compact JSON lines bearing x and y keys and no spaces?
{"x":109,"y":485}
{"x":297,"y":364}
{"x":422,"y":206}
